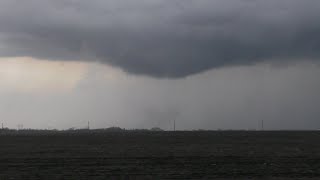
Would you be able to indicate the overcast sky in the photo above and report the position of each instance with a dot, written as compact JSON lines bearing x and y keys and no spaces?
{"x":209,"y":64}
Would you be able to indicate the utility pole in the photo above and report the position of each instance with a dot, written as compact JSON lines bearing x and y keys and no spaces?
{"x":20,"y":126}
{"x":2,"y":125}
{"x":174,"y":124}
{"x":88,"y":125}
{"x":262,"y":125}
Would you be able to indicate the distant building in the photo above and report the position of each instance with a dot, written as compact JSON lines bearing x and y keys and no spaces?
{"x":114,"y":129}
{"x":156,"y":129}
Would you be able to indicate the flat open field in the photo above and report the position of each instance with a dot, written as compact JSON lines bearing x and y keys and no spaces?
{"x":161,"y":155}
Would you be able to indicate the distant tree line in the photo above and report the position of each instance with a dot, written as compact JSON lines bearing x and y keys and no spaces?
{"x":7,"y":131}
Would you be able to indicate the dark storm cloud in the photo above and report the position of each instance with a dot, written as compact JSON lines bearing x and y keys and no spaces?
{"x":162,"y":38}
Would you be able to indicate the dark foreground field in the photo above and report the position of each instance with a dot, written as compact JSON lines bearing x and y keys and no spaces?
{"x":161,"y":155}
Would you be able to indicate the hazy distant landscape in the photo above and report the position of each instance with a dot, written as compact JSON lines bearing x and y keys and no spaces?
{"x":231,"y":88}
{"x":97,"y":154}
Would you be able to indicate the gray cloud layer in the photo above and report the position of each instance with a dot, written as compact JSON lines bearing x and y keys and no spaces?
{"x":162,"y":38}
{"x":228,"y":98}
